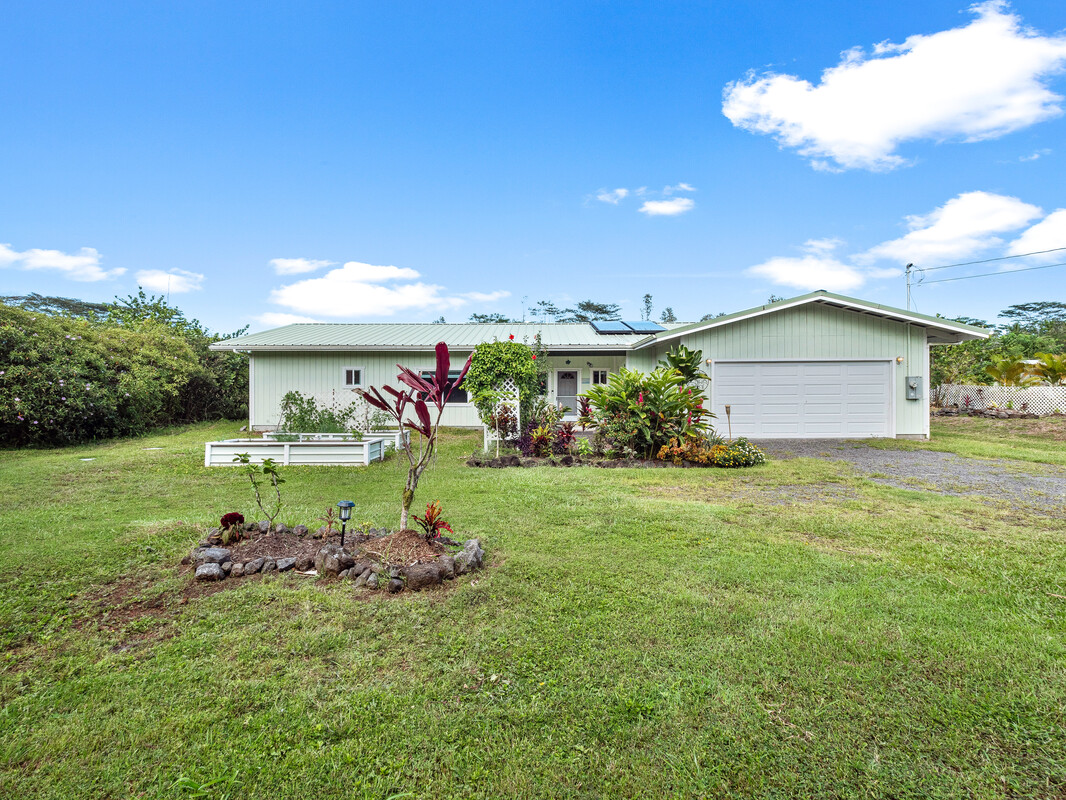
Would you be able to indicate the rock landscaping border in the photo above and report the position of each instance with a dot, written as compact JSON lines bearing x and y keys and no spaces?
{"x":503,"y":462}
{"x":428,"y":563}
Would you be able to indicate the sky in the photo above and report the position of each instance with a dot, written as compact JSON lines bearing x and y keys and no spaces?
{"x":265,"y":163}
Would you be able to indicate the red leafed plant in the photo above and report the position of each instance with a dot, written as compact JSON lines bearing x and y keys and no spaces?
{"x":231,"y":519}
{"x":230,"y":527}
{"x":436,"y":391}
{"x":432,"y":524}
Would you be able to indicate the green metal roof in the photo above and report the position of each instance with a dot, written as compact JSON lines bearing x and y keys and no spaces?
{"x":424,"y":336}
{"x":555,"y":336}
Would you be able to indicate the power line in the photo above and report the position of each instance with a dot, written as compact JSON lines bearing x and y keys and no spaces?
{"x":987,"y":274}
{"x":989,"y":260}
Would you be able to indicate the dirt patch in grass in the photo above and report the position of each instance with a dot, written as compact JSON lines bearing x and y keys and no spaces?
{"x":404,"y":547}
{"x":782,"y":495}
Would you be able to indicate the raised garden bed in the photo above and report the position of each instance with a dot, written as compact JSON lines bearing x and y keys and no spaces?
{"x":393,"y":438}
{"x":340,"y":453}
{"x":378,"y":559}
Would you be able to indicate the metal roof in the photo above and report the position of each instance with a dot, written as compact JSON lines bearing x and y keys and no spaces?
{"x":555,"y":336}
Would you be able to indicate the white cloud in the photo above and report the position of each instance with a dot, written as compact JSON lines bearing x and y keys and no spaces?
{"x":276,"y":319}
{"x":681,"y":187}
{"x":297,"y":266}
{"x":1048,"y":234}
{"x":357,"y":290}
{"x":612,"y":196}
{"x":176,"y":281}
{"x":1044,"y":151}
{"x":816,"y":269}
{"x":965,"y":225}
{"x":82,"y":266}
{"x":962,"y":227}
{"x":979,"y":81}
{"x":667,"y":208}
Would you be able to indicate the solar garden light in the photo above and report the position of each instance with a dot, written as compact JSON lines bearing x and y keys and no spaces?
{"x":346,"y":507}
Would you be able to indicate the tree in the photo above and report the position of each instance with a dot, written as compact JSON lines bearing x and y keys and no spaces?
{"x":668,"y":315}
{"x":1009,"y":372}
{"x":1051,"y":368}
{"x":437,"y":390}
{"x":707,"y":317}
{"x":589,"y":310}
{"x":57,"y":306}
{"x":773,"y":299}
{"x":440,"y":320}
{"x":646,"y":313}
{"x":545,"y":311}
{"x":1035,"y":316}
{"x":486,"y":319}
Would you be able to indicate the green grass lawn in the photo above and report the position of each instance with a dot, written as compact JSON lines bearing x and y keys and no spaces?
{"x":787,"y":631}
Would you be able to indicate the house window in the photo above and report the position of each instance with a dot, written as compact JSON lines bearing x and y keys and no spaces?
{"x":599,"y":376}
{"x":353,"y":376}
{"x":459,"y":395}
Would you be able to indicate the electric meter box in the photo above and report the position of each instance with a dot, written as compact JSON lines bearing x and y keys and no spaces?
{"x":914,"y":387}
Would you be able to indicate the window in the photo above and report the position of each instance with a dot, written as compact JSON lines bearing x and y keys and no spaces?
{"x":599,"y":376}
{"x":353,"y":376}
{"x":459,"y":395}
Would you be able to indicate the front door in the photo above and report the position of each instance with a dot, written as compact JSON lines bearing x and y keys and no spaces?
{"x":566,"y":388}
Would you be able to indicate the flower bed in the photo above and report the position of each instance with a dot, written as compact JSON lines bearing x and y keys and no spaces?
{"x":377,"y":559}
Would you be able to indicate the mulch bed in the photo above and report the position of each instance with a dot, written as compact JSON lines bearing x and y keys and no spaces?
{"x":404,"y":547}
{"x":503,"y":462}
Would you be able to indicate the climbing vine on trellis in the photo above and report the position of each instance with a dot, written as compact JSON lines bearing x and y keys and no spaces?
{"x":506,"y":365}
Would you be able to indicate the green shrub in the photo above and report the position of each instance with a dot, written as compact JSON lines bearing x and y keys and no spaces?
{"x":66,"y":380}
{"x":638,"y":413}
{"x":494,"y":362}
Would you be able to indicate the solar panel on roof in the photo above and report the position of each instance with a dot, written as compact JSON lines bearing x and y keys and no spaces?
{"x":609,"y":326}
{"x":645,"y":327}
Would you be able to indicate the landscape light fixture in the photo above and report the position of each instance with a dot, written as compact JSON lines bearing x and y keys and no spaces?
{"x":899,"y":359}
{"x":346,"y":507}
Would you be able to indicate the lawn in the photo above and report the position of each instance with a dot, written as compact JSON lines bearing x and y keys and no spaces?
{"x":791,"y":630}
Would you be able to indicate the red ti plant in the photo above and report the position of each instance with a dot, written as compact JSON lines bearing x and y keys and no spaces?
{"x":432,"y":524}
{"x":422,"y":394}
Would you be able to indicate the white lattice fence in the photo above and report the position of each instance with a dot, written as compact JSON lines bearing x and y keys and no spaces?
{"x":1034,"y":399}
{"x":505,"y":421}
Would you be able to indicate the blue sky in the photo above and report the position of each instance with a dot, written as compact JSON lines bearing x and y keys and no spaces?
{"x":275,"y":162}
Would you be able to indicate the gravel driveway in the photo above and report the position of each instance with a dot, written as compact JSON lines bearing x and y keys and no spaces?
{"x":1023,"y":484}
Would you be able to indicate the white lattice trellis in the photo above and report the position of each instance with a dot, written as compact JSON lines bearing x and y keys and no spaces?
{"x":505,"y":421}
{"x":1039,"y":400}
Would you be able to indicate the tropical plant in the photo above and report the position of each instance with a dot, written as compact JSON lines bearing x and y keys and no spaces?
{"x":230,"y":527}
{"x":256,"y":473}
{"x":564,"y":437}
{"x":687,"y":362}
{"x":584,"y":412}
{"x":1011,"y":372}
{"x":1052,"y":368}
{"x":436,"y":391}
{"x":432,"y":524}
{"x":330,"y":518}
{"x":648,"y":409}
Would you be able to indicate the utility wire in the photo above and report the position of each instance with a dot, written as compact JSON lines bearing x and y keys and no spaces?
{"x":990,"y":260}
{"x":987,"y":274}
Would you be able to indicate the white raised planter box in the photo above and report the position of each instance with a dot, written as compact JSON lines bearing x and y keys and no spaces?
{"x":337,"y":453}
{"x":391,"y":437}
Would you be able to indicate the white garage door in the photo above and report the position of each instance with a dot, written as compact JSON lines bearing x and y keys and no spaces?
{"x":804,"y":399}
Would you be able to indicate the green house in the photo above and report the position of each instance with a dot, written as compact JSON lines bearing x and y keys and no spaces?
{"x":816,"y":366}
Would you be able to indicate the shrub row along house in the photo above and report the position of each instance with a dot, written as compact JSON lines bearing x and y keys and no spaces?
{"x":817,"y":365}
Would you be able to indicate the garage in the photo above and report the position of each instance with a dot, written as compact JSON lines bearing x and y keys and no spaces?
{"x":804,"y":399}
